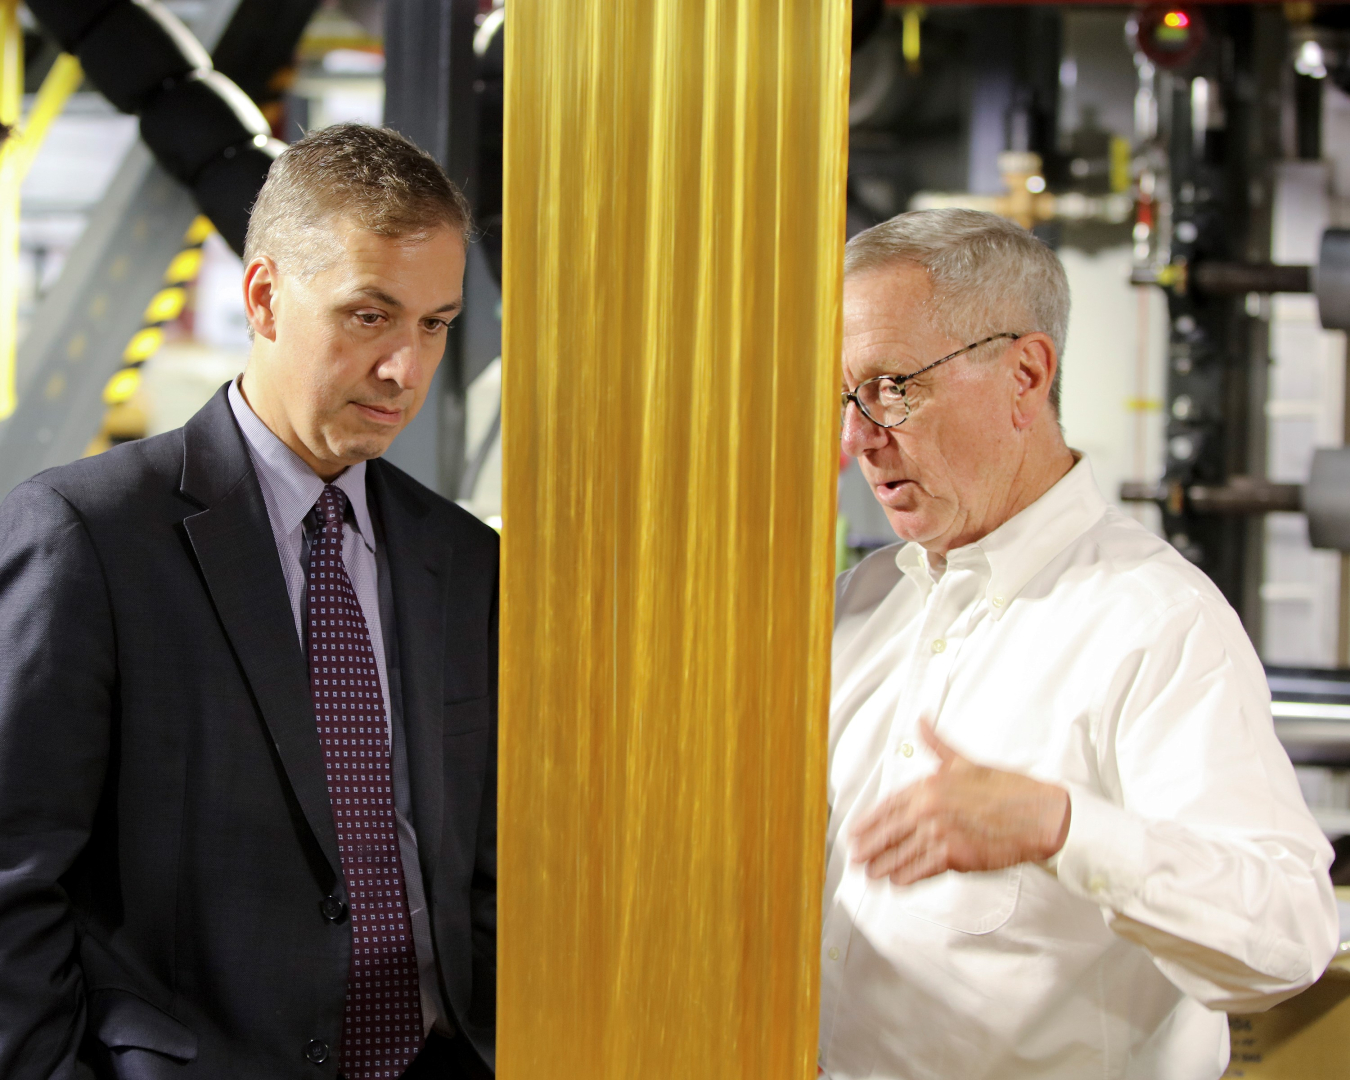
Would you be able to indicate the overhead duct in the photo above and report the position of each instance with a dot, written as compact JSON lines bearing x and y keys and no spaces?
{"x":204,"y":130}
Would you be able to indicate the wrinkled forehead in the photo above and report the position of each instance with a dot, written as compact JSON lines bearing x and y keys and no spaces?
{"x":889,"y":322}
{"x":902,"y":289}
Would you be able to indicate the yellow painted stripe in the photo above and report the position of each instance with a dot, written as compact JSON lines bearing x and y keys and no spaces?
{"x":121,"y":386}
{"x":166,"y":305}
{"x":184,"y":267}
{"x":199,"y":230}
{"x":143,"y":345}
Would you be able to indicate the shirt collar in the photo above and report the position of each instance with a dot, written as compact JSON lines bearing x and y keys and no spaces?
{"x":912,"y":560}
{"x":1023,"y":545}
{"x":295,"y":486}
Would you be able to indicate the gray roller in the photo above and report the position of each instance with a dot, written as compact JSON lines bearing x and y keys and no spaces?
{"x":1326,"y":499}
{"x":1333,"y":279}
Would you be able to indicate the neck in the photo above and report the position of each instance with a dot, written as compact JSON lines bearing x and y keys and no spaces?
{"x":274,"y":419}
{"x":1040,"y":469}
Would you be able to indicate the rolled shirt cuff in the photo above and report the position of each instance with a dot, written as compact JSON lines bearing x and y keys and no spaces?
{"x":1102,"y":859}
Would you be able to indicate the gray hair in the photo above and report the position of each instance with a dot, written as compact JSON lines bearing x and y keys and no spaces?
{"x":989,"y":275}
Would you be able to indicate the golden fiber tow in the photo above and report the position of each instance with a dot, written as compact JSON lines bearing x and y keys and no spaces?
{"x":674,"y":206}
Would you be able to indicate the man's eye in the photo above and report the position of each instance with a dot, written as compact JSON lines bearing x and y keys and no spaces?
{"x":436,"y":325}
{"x":890,"y":390}
{"x":369,"y":318}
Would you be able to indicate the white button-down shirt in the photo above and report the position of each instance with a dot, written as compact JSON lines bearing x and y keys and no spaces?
{"x":1074,"y":646}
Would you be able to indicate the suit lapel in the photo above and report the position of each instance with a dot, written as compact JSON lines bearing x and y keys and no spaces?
{"x":232,"y":540}
{"x":418,"y":573}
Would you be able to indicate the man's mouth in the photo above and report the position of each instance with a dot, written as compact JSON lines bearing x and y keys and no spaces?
{"x":381,"y":414}
{"x":888,"y":491}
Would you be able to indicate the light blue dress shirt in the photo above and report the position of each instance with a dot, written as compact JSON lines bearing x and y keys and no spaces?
{"x":290,"y":489}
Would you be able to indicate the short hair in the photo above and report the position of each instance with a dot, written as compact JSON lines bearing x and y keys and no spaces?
{"x":371,"y":176}
{"x":989,"y":275}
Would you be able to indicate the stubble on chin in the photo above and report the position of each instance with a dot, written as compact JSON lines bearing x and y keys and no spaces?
{"x":356,"y":450}
{"x":352,"y":447}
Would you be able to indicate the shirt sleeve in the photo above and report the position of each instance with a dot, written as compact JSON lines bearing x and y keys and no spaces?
{"x":1196,"y":841}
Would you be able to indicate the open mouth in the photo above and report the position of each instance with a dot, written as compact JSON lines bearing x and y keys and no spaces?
{"x":890,"y":491}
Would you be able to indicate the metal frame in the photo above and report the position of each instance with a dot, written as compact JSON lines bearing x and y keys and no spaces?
{"x":430,"y":70}
{"x":85,"y":321}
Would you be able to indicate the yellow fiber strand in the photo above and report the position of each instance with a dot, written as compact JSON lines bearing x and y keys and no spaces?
{"x":674,"y":209}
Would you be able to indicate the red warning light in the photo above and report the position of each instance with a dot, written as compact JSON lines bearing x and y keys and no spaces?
{"x":1169,"y":36}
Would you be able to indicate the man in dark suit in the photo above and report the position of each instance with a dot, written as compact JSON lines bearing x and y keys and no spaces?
{"x":248,"y":678}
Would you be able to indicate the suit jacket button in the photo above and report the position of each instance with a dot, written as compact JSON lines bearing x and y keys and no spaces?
{"x":334,"y":910}
{"x":317,"y":1051}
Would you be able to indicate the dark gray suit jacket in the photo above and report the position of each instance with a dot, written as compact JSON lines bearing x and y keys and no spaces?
{"x":166,"y":840}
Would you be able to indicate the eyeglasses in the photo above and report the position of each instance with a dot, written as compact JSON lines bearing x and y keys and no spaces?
{"x":883,"y":399}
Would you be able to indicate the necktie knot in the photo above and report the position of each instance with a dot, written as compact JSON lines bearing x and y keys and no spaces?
{"x":332,"y":505}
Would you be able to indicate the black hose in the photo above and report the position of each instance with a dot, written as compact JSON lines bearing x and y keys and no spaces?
{"x":203,"y":129}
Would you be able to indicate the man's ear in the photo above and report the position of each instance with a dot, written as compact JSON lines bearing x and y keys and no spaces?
{"x":1036,"y":360}
{"x":260,"y":281}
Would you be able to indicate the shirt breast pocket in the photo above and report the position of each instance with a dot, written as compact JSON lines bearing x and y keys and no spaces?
{"x":970,"y":903}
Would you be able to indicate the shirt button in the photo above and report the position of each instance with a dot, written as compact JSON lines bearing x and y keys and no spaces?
{"x":939,"y":644}
{"x":834,"y":953}
{"x":1097,"y":884}
{"x":316,"y":1051}
{"x":907,"y":749}
{"x":998,"y":601}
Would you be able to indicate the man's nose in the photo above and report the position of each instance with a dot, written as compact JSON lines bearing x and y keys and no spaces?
{"x":404,"y":364}
{"x":859,"y":434}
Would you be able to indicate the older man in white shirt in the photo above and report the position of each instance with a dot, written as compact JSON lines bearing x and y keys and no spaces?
{"x":1063,"y":836}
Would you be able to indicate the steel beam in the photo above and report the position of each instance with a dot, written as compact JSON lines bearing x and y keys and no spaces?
{"x":86,"y":319}
{"x":430,"y":69}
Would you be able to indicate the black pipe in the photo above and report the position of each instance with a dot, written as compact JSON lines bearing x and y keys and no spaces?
{"x":1235,"y":279}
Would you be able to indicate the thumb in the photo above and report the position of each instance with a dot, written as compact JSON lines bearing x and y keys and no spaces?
{"x":944,"y":752}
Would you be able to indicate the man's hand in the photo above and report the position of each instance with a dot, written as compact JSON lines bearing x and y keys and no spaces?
{"x":963,"y":817}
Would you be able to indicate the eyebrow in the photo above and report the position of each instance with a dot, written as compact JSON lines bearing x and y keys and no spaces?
{"x":389,"y":301}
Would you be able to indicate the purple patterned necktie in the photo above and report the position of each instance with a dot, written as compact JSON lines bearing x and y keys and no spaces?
{"x":382,"y":1021}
